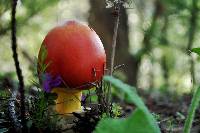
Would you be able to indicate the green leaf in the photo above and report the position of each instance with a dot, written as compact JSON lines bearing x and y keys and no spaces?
{"x":131,"y":95}
{"x":43,"y":66}
{"x":136,"y":123}
{"x":43,"y":53}
{"x":141,"y":121}
{"x":193,"y":106}
{"x":196,"y":50}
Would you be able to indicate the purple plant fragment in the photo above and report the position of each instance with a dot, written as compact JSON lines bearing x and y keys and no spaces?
{"x":49,"y":82}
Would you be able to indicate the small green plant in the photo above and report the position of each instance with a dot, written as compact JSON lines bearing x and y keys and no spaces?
{"x":170,"y":124}
{"x":156,"y":116}
{"x":116,"y":110}
{"x":40,"y":112}
{"x":42,"y":115}
{"x":180,"y":116}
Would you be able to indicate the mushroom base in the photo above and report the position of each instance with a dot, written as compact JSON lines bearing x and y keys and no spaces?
{"x":68,"y":101}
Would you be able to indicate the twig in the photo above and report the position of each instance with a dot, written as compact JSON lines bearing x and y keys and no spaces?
{"x":191,"y":32}
{"x":101,"y":98}
{"x":114,"y":40}
{"x":164,"y":120}
{"x":118,"y":67}
{"x":15,"y":57}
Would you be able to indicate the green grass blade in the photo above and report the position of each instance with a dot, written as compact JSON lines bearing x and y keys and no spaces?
{"x":193,"y":106}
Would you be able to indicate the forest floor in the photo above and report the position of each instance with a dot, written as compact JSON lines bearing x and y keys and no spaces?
{"x":170,"y":111}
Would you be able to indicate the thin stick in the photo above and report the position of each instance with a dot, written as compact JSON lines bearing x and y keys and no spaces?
{"x":114,"y":40}
{"x":191,"y":36}
{"x":15,"y":57}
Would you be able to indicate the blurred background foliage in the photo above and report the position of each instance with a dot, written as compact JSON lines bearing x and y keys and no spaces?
{"x":154,"y":40}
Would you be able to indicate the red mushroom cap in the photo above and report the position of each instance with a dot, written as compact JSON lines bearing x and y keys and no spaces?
{"x":75,"y":53}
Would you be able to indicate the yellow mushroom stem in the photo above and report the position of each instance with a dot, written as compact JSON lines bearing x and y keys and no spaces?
{"x":68,"y":101}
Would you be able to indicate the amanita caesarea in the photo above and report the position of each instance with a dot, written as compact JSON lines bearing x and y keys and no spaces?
{"x":74,"y":53}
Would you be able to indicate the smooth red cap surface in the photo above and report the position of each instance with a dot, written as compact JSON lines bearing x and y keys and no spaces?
{"x":76,"y":53}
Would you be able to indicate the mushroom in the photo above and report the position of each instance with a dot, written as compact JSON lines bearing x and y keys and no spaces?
{"x":71,"y":58}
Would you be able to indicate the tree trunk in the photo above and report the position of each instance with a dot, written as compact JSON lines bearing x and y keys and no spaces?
{"x":102,"y":20}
